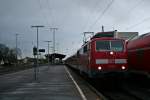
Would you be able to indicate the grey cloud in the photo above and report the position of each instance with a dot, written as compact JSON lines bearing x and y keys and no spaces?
{"x":72,"y":17}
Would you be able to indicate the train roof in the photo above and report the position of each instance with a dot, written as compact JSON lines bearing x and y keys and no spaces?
{"x":102,"y":38}
{"x":141,"y":36}
{"x":101,"y":35}
{"x":104,"y":34}
{"x":106,"y":38}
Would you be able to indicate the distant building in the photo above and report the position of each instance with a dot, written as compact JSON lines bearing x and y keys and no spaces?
{"x":28,"y":60}
{"x":55,"y":57}
{"x":115,"y":34}
{"x":2,"y":62}
{"x":126,"y":35}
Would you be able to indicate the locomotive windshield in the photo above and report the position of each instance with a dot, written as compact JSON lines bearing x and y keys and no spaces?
{"x":113,"y":45}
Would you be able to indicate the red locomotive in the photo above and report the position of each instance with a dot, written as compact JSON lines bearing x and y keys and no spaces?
{"x":139,"y":53}
{"x":101,"y":55}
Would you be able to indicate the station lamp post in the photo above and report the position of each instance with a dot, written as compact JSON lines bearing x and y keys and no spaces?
{"x":37,"y":27}
{"x":54,"y":30}
{"x":16,"y":49}
{"x":48,"y":50}
{"x":85,"y":33}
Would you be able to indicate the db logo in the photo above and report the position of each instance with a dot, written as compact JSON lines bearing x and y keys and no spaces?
{"x":111,"y":61}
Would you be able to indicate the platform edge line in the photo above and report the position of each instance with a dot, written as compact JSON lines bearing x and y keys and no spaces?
{"x":77,"y":86}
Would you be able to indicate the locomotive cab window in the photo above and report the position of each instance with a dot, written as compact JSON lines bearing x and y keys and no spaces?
{"x":85,"y":48}
{"x":115,"y":45}
{"x":102,"y":45}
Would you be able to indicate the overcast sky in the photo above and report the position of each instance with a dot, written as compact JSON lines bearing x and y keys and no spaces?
{"x":71,"y":17}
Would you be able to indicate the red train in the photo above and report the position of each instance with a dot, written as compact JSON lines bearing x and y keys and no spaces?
{"x":102,"y":54}
{"x":139,"y":53}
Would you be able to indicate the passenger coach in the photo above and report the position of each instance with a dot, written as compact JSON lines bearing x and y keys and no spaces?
{"x":139,"y":53}
{"x":101,"y":55}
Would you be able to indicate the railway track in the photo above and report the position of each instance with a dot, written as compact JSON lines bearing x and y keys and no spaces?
{"x":116,"y":89}
{"x":139,"y":91}
{"x":113,"y":92}
{"x":87,"y":88}
{"x":122,"y":90}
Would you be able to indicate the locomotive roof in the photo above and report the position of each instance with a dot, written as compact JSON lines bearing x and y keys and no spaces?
{"x":106,"y":38}
{"x":104,"y":34}
{"x":102,"y":38}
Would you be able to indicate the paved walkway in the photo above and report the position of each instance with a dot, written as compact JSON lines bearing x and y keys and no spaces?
{"x":53,"y":83}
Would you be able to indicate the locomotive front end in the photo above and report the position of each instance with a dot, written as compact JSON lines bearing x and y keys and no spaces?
{"x":108,"y":55}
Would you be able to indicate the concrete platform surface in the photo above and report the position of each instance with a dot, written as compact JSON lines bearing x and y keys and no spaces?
{"x":53,"y":83}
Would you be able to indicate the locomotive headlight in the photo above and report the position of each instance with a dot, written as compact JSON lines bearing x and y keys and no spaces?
{"x":99,"y":68}
{"x":111,"y":53}
{"x":123,"y":67}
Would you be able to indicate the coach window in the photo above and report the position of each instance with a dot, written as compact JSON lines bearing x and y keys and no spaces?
{"x":142,"y":36}
{"x":147,"y":34}
{"x":85,"y":49}
{"x":81,"y":51}
{"x":134,"y":38}
{"x":78,"y":54}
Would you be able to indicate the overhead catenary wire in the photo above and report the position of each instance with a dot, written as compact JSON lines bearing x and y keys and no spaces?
{"x":89,"y":17}
{"x":131,"y":10}
{"x":102,"y":14}
{"x":135,"y":6}
{"x":50,"y":11}
{"x":44,"y":15}
{"x":53,"y":17}
{"x":137,"y":24}
{"x":140,"y":22}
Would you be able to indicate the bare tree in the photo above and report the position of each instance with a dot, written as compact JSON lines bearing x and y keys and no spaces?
{"x":9,"y":55}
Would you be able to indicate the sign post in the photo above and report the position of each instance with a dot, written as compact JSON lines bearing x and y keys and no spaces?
{"x":35,"y":62}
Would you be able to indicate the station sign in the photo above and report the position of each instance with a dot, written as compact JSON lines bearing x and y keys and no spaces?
{"x":34,"y":50}
{"x":41,"y":50}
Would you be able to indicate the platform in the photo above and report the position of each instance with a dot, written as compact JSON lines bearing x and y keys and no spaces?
{"x":53,"y":83}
